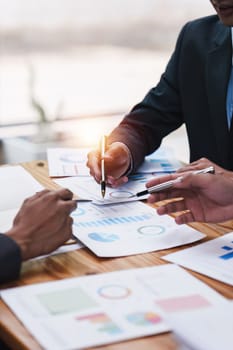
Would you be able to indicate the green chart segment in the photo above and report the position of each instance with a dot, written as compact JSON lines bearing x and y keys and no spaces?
{"x":66,"y":300}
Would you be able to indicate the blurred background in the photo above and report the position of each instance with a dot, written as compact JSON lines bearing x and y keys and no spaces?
{"x":85,"y":62}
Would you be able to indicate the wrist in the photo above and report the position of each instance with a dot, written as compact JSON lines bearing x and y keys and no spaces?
{"x":16,"y":236}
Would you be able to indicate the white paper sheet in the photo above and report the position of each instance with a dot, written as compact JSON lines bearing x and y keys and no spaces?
{"x":161,"y":161}
{"x":16,"y":185}
{"x":87,"y":187}
{"x":72,"y":162}
{"x":67,"y":161}
{"x":94,"y":310}
{"x":213,"y":258}
{"x":61,"y":250}
{"x":129,"y":228}
{"x":205,"y":329}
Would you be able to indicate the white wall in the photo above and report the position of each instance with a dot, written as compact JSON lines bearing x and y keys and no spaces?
{"x":73,"y":13}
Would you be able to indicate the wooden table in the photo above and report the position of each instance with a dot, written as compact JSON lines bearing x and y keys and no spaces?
{"x":84,"y":262}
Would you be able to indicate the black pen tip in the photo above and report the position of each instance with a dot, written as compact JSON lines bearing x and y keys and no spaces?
{"x":103,"y":188}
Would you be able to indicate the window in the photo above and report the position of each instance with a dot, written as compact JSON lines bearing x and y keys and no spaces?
{"x":79,"y":58}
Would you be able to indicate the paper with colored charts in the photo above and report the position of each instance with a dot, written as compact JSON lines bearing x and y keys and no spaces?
{"x":72,"y":162}
{"x":206,"y":328}
{"x":126,"y":229}
{"x":213,"y":258}
{"x":87,"y":187}
{"x":95,"y":310}
{"x":160,"y":161}
{"x":67,"y":161}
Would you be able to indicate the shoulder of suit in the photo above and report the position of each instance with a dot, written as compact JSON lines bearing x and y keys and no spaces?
{"x":205,"y":27}
{"x":205,"y":22}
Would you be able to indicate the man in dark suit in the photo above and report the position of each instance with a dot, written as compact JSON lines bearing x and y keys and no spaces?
{"x":193,"y":90}
{"x":42,"y":224}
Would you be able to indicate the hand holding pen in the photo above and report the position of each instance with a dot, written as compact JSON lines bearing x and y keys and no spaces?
{"x":116,"y":163}
{"x":202,"y":197}
{"x":167,"y":184}
{"x":102,"y":165}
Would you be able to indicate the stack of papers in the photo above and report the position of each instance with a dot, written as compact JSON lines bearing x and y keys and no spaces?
{"x":101,"y":309}
{"x":87,"y":187}
{"x":113,"y":226}
{"x":72,"y":162}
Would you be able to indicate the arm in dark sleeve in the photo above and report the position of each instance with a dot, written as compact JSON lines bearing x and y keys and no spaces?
{"x":160,"y":112}
{"x":10,"y":259}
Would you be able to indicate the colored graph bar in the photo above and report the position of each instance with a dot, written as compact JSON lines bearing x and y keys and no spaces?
{"x":227,"y":256}
{"x":103,"y":323}
{"x":113,"y":221}
{"x":225,"y":247}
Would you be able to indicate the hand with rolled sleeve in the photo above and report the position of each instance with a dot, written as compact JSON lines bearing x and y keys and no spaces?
{"x":198,"y":197}
{"x":117,"y":160}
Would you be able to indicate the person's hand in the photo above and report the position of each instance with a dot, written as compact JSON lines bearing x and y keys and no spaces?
{"x":202,"y":197}
{"x":205,"y":163}
{"x":43,"y":222}
{"x":116,"y":160}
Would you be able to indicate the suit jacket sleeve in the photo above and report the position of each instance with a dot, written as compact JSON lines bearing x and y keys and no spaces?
{"x":160,"y":112}
{"x":10,"y":259}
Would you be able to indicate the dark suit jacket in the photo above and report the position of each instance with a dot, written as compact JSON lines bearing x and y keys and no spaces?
{"x":193,"y":91}
{"x":10,"y":259}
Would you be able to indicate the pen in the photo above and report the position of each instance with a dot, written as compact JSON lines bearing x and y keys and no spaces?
{"x":168,"y":184}
{"x":102,"y":182}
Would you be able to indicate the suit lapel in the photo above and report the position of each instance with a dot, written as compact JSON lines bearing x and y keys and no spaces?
{"x":218,"y":68}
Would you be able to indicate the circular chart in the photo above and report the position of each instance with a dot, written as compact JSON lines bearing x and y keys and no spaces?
{"x":114,"y":291}
{"x":151,"y":230}
{"x":78,"y":212}
{"x":103,"y":237}
{"x":120,"y":194}
{"x":143,"y":318}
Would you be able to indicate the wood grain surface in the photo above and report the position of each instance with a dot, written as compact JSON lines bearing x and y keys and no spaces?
{"x":84,"y":262}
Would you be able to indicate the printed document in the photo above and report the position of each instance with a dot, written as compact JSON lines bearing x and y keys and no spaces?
{"x":67,"y":161}
{"x":87,"y":187}
{"x":72,"y":162}
{"x":213,"y":258}
{"x":95,"y":310}
{"x":205,"y":328}
{"x":17,"y":184}
{"x":129,"y":228}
